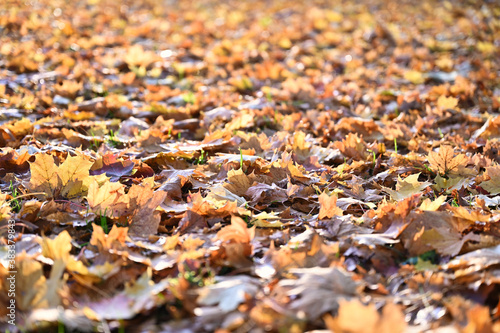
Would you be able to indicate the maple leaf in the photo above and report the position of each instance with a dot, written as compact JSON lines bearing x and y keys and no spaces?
{"x":115,"y":238}
{"x":108,"y":199}
{"x":444,"y":240}
{"x":407,"y":187}
{"x":12,"y":161}
{"x":137,"y":56}
{"x":44,"y":175}
{"x":69,"y":180}
{"x":227,"y":293}
{"x":427,"y":204}
{"x":447,"y":102}
{"x":113,"y":167}
{"x":238,"y":182}
{"x":328,"y":206}
{"x":74,"y":176}
{"x":444,"y":161}
{"x":237,"y":231}
{"x":30,"y":284}
{"x":352,"y":146}
{"x":58,"y":249}
{"x":317,"y":290}
{"x":260,"y":192}
{"x":493,"y":184}
{"x":355,"y":317}
{"x":143,"y":202}
{"x":236,"y":240}
{"x":451,"y":183}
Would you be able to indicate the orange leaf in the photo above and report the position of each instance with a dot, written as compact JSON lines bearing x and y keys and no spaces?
{"x":328,"y":206}
{"x":444,"y":161}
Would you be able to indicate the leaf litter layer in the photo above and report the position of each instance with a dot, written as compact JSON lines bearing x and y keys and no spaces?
{"x":250,"y":166}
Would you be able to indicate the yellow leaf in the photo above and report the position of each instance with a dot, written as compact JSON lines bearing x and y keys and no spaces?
{"x":115,"y":238}
{"x":44,"y":175}
{"x":265,"y":220}
{"x":74,"y":175}
{"x":74,"y":168}
{"x":407,"y":187}
{"x":414,"y":77}
{"x":30,"y":284}
{"x":57,"y":248}
{"x":285,"y":43}
{"x":109,"y":199}
{"x":433,"y":205}
{"x":486,"y":47}
{"x":447,"y":102}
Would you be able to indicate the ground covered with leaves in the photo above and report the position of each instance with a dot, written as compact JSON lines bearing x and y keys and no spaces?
{"x":282,"y":166}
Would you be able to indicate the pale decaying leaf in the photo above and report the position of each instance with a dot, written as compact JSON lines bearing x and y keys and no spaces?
{"x":227,"y":293}
{"x":138,"y":296}
{"x":318,"y":290}
{"x":475,"y":261}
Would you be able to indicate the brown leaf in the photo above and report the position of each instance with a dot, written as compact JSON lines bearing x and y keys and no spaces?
{"x":317,"y":290}
{"x":238,"y":182}
{"x":263,"y":193}
{"x":143,"y":202}
{"x":113,"y":167}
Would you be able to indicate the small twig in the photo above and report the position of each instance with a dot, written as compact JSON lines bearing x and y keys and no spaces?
{"x":26,"y":195}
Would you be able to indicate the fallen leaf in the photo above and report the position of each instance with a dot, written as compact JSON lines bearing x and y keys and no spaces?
{"x":445,"y":161}
{"x":317,"y":290}
{"x":328,"y":206}
{"x":227,"y":293}
{"x":407,"y":187}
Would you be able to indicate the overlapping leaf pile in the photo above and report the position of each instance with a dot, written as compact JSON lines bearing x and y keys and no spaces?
{"x":251,"y":166}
